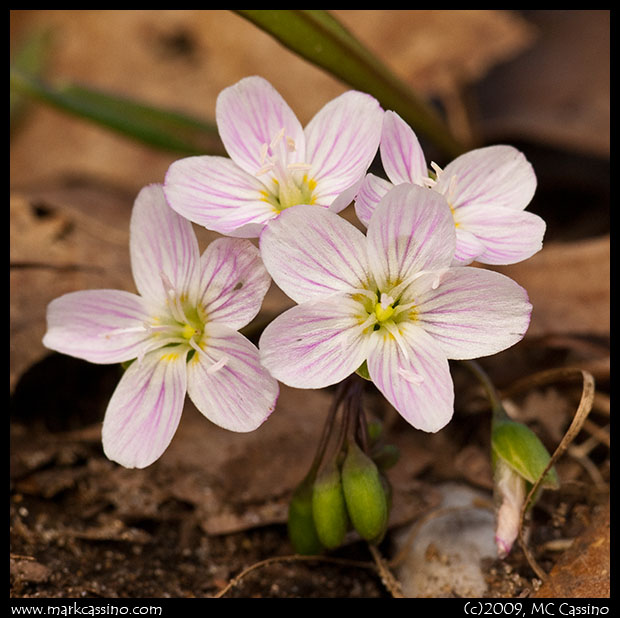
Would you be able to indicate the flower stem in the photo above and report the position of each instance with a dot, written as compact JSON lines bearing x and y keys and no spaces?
{"x":498,"y":411}
{"x":328,"y":426}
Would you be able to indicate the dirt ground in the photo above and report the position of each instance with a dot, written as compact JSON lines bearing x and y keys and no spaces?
{"x":208,"y":519}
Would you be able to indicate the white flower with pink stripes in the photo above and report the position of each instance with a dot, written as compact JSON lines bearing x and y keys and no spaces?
{"x":391,"y":299}
{"x":181,"y":329}
{"x":274,"y":162}
{"x":487,"y":189}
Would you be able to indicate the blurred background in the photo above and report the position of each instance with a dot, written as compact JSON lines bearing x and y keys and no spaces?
{"x":536,"y":79}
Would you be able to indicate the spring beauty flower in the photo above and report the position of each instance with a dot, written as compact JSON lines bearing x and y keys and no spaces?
{"x":487,"y":190}
{"x":181,"y":329}
{"x":390,"y":299}
{"x":274,"y":162}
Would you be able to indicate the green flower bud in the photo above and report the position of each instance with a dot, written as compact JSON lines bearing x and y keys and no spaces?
{"x":328,"y":506}
{"x":364,"y":494}
{"x":385,"y":456}
{"x":519,"y":458}
{"x":301,"y":529}
{"x":521,"y":449}
{"x":375,"y":430}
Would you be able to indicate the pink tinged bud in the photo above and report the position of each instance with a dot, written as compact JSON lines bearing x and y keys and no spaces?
{"x":510,"y":491}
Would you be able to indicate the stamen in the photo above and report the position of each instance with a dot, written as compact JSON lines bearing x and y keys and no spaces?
{"x":371,"y":320}
{"x":438,"y":171}
{"x":266,"y":168}
{"x":218,"y":365}
{"x":122,"y":331}
{"x":393,"y":330}
{"x":194,"y":345}
{"x":290,"y":144}
{"x":263,"y":153}
{"x":299,"y":166}
{"x":400,"y":308}
{"x":156,"y":344}
{"x":174,"y":302}
{"x":276,"y":140}
{"x":451,"y":189}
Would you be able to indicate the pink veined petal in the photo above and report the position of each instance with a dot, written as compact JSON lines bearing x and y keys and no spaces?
{"x":468,"y":247}
{"x":412,"y":229}
{"x":341,"y":141}
{"x":507,"y":235}
{"x":472,"y":312}
{"x":414,"y":376}
{"x":315,"y":344}
{"x":346,"y":197}
{"x":145,"y":409}
{"x":249,"y":115}
{"x":401,"y":154}
{"x":227,"y":383}
{"x":494,"y":176}
{"x":371,"y":192}
{"x":219,"y":195}
{"x":233,"y":282}
{"x":161,"y":242}
{"x":100,"y":326}
{"x":311,"y":252}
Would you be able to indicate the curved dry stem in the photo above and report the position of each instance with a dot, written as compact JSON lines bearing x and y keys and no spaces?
{"x":585,"y":405}
{"x":291,"y":558}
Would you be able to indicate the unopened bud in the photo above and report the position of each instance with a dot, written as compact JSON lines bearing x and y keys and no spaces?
{"x":385,"y":456}
{"x":523,"y":451}
{"x":364,"y":494}
{"x":328,"y":506}
{"x":519,"y":459}
{"x":301,"y":529}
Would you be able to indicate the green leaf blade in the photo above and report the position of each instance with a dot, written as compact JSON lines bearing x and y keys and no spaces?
{"x":320,"y":38}
{"x":149,"y":124}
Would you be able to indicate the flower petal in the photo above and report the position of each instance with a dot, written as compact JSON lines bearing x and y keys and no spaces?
{"x":161,"y":242}
{"x":507,"y":235}
{"x":492,"y":176}
{"x":370,"y":194}
{"x":145,"y":409}
{"x":401,"y":154}
{"x":233,"y":282}
{"x":317,"y":343}
{"x":100,"y":326}
{"x":311,"y":252}
{"x":227,"y":383}
{"x":472,"y":312}
{"x":414,"y":376}
{"x":249,"y":115}
{"x":468,"y":247}
{"x":341,"y":141}
{"x":219,"y":195}
{"x":412,"y":229}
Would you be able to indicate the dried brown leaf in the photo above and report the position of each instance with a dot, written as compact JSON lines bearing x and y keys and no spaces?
{"x":583,"y":570}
